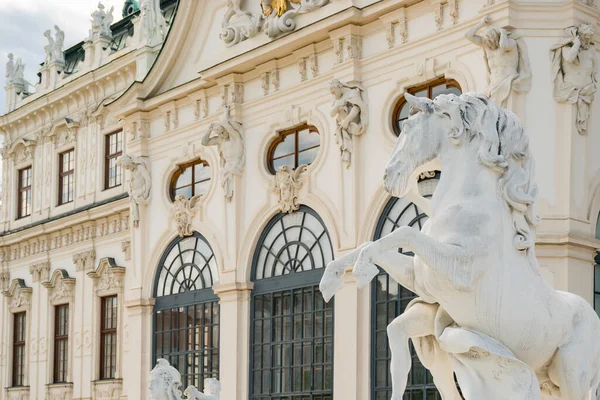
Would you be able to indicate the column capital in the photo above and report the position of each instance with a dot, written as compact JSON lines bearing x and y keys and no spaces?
{"x":233,"y":291}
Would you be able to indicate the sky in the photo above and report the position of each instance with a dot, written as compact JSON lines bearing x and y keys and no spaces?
{"x":22,"y":26}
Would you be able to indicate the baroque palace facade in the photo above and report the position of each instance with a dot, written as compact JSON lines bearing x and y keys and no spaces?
{"x":176,"y":183}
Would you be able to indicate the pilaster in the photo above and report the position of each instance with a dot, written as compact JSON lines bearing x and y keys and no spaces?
{"x":234,"y":302}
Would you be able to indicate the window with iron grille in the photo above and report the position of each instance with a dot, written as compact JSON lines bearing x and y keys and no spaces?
{"x":192,"y":179}
{"x":19,"y":356}
{"x":389,"y":300}
{"x":61,"y":343}
{"x":430,"y":90}
{"x":66,"y":175}
{"x":108,"y":337}
{"x":186,"y":318}
{"x":24,"y":197}
{"x":113,"y":150}
{"x":294,"y":147}
{"x":292,"y":326}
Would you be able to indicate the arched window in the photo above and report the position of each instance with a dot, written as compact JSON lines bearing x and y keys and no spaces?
{"x":431,"y":90}
{"x":294,"y":147}
{"x":292,"y":327}
{"x":389,"y":299}
{"x":186,"y":312}
{"x":191,"y":179}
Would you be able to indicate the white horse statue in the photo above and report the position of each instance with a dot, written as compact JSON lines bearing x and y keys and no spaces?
{"x":484,"y":311}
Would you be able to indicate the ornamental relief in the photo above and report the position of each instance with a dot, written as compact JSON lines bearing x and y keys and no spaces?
{"x":108,"y":277}
{"x":61,"y":287}
{"x":18,"y":296}
{"x":274,"y":17}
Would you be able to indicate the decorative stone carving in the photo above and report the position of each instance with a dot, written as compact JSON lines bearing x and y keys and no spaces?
{"x":314,"y":65}
{"x":152,"y":23}
{"x":126,"y":249}
{"x":139,"y":183}
{"x":101,"y":22}
{"x":84,"y":261}
{"x":302,"y":69}
{"x":18,"y":296}
{"x":351,"y":113}
{"x":40,"y":272}
{"x":276,"y":17}
{"x":165,"y":381}
{"x":60,"y":287}
{"x":15,"y":71}
{"x":228,"y":137}
{"x":212,"y":391}
{"x":21,"y":150}
{"x":4,"y":280}
{"x":184,"y":211}
{"x":479,"y":313}
{"x":506,"y":59}
{"x":108,"y":277}
{"x":54,"y":48}
{"x":574,"y":70}
{"x":286,"y":185}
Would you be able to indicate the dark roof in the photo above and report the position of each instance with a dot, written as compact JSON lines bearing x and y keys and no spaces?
{"x":121,"y":30}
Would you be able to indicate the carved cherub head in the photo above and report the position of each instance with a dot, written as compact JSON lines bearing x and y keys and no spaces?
{"x":219,"y":130}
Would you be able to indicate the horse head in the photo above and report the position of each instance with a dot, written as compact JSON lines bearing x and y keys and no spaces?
{"x":418,"y":143}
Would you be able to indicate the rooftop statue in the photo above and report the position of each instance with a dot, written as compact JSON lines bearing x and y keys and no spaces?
{"x":153,"y":23}
{"x":54,"y":48}
{"x":15,"y":71}
{"x":165,"y":381}
{"x":574,"y":70}
{"x":212,"y":391}
{"x":484,"y":312}
{"x":506,"y":59}
{"x":101,"y":22}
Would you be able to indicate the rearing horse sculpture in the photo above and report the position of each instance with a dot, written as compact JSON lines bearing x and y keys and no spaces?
{"x":484,"y":312}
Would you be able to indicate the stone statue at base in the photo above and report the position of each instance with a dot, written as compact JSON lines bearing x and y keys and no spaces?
{"x":165,"y":381}
{"x":484,"y":311}
{"x":212,"y":391}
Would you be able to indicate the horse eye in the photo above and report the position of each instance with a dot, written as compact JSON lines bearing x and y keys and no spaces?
{"x":446,"y":114}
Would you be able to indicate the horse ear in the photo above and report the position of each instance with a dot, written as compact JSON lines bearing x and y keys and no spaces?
{"x":420,"y":103}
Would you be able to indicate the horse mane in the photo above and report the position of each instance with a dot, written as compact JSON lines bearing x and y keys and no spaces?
{"x":505,"y":150}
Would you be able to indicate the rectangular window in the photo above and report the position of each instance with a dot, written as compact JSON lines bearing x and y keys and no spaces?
{"x":61,"y":343}
{"x":24,"y":196}
{"x":19,"y":335}
{"x":113,"y":150}
{"x":66,"y":167}
{"x":108,"y":338}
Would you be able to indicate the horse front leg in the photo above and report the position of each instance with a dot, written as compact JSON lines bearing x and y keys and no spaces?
{"x":331,"y":281}
{"x":452,"y":261}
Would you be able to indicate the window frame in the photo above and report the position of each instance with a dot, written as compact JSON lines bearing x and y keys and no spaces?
{"x":104,"y":332}
{"x":180,"y":170}
{"x":18,"y":380}
{"x":109,"y":156}
{"x":202,"y":298}
{"x":281,"y":138}
{"x":450,"y":83}
{"x":22,"y":189}
{"x":62,"y":174}
{"x":280,"y":285}
{"x":58,"y":339}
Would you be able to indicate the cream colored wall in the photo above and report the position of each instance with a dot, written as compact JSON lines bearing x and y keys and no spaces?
{"x":349,"y":200}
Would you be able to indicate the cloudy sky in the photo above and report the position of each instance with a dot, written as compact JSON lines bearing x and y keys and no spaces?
{"x":22,"y":26}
